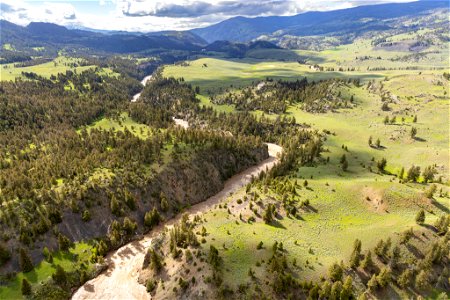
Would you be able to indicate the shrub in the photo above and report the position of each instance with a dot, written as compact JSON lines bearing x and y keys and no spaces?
{"x":150,"y":285}
{"x":152,"y":218}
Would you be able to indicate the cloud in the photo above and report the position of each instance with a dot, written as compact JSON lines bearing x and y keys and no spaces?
{"x":65,"y":10}
{"x":193,"y":9}
{"x":156,"y":15}
{"x":9,"y":8}
{"x":249,"y":8}
{"x":22,"y":13}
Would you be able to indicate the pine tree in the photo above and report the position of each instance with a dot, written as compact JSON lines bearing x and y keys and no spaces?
{"x":367,"y":262}
{"x":213,"y":257}
{"x":346,"y":292}
{"x":26,"y":287}
{"x":430,"y":192}
{"x":336,"y":289}
{"x":114,"y":206}
{"x":63,"y":242}
{"x":378,"y":143}
{"x":395,"y":257}
{"x":384,"y":277}
{"x":325,"y":290}
{"x":25,"y":262}
{"x":60,"y":276}
{"x":344,"y":166}
{"x":4,"y":255}
{"x":268,"y":214}
{"x":420,"y":217}
{"x":413,"y":173}
{"x":404,"y":279}
{"x":164,"y":202}
{"x":442,"y":224}
{"x":428,"y":174}
{"x":155,"y":261}
{"x":372,"y":285}
{"x":413,"y":132}
{"x":335,"y":272}
{"x":355,"y":257}
{"x":152,"y":218}
{"x":379,"y":248}
{"x":422,"y":279}
{"x":381,"y":165}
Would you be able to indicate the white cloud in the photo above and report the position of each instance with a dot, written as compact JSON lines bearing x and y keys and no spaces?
{"x":196,"y":8}
{"x":21,"y":12}
{"x":155,"y":15}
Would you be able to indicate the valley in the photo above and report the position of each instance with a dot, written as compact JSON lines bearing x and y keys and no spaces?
{"x":279,"y":163}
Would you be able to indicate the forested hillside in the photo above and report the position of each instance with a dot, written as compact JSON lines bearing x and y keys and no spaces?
{"x":63,"y":182}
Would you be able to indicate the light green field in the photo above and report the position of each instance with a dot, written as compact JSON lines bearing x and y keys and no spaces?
{"x":38,"y":48}
{"x":43,"y":271}
{"x":221,"y":74}
{"x":124,"y":122}
{"x":318,"y":239}
{"x":8,"y":47}
{"x":354,"y":127}
{"x":58,"y":65}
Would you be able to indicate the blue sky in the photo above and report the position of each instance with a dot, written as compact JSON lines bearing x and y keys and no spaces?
{"x":155,"y":15}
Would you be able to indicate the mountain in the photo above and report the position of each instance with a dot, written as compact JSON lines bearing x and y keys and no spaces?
{"x":55,"y":36}
{"x":370,"y":17}
{"x":187,"y":36}
{"x":238,"y":49}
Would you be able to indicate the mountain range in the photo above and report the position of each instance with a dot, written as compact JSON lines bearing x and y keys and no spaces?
{"x":282,"y":31}
{"x":361,"y":18}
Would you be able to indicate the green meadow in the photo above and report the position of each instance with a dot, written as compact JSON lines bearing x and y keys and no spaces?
{"x":70,"y":261}
{"x":121,"y":123}
{"x":60,"y":64}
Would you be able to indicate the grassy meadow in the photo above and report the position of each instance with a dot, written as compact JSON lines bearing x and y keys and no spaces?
{"x":80,"y":253}
{"x":60,"y":64}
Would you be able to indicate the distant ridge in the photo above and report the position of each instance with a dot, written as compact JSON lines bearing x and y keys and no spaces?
{"x":241,"y":29}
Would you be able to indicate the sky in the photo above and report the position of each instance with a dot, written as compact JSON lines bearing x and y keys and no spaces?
{"x":157,"y":15}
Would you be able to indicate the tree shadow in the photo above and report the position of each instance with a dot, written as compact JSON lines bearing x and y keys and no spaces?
{"x":419,"y":139}
{"x":381,"y":147}
{"x":414,"y":251}
{"x":440,"y":206}
{"x":429,"y":227}
{"x":310,"y":208}
{"x":277,"y":224}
